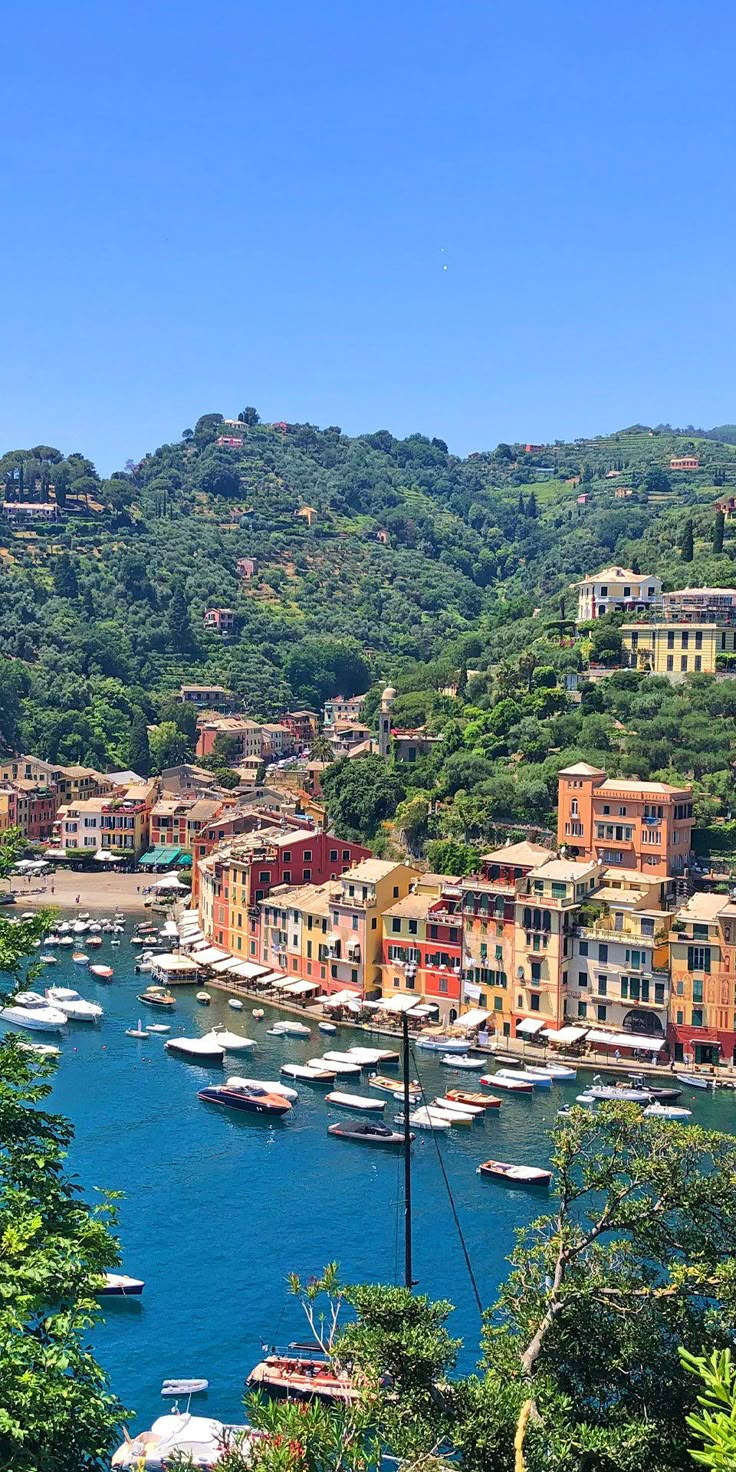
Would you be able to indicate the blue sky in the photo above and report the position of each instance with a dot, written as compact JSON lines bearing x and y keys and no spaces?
{"x":208,"y":206}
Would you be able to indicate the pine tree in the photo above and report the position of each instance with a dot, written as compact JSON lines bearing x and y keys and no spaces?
{"x":65,"y":577}
{"x":88,"y":606}
{"x":718,"y":529}
{"x":180,"y":629}
{"x":687,"y":545}
{"x":139,"y":751}
{"x":522,"y":506}
{"x":531,"y":506}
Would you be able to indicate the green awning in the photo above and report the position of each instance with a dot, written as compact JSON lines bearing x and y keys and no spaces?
{"x":160,"y":856}
{"x":184,"y":861}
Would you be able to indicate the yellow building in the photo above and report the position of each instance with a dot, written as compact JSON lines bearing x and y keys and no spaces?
{"x":677,"y":648}
{"x":547,"y":902}
{"x":703,"y":1006}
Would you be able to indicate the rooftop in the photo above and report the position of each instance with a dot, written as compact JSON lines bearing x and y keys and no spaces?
{"x":620,"y":784}
{"x":702,"y":907}
{"x":314,"y":898}
{"x":412,"y":907}
{"x":614,"y":575}
{"x":369,"y":871}
{"x":565,"y":871}
{"x":581,"y":769}
{"x":519,"y":855}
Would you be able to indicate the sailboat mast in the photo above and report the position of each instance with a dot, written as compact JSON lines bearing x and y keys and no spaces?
{"x":408,"y":1275}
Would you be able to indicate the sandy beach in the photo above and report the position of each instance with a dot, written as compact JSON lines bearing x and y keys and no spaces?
{"x":69,"y":891}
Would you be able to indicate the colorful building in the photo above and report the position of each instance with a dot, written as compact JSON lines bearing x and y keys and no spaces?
{"x":422,"y":944}
{"x":702,"y":1025}
{"x":636,"y":825}
{"x":205,"y":697}
{"x":615,"y":590}
{"x":178,"y":821}
{"x":220,"y":621}
{"x":489,"y":929}
{"x":619,"y":974}
{"x":547,"y":902}
{"x":682,"y":648}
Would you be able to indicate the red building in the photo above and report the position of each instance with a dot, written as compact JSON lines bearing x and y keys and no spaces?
{"x":303,"y":725}
{"x":422,"y":944}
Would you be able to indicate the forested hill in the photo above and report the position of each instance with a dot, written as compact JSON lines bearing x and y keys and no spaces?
{"x":413,"y":555}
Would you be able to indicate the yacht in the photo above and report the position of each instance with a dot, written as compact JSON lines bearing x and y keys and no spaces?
{"x":28,"y":1009}
{"x":72,"y":1005}
{"x":196,"y":1441}
{"x":289,"y":1029}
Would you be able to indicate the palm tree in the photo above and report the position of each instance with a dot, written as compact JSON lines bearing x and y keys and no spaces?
{"x":320,"y":750}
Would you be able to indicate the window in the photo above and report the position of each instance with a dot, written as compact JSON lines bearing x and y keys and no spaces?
{"x":333,"y":856}
{"x":602,"y":985}
{"x":670,"y":641}
{"x":582,"y":1009}
{"x":396,"y":891}
{"x":603,"y":953}
{"x":698,"y":958}
{"x":345,"y":854}
{"x":697,"y":991}
{"x":307,"y":856}
{"x":354,"y":975}
{"x":286,"y":856}
{"x":624,"y":988}
{"x":601,"y":1011}
{"x":583,"y":948}
{"x":534,"y":1001}
{"x":498,"y":1004}
{"x":413,"y":927}
{"x":670,"y":662}
{"x":536,"y":971}
{"x":680,"y":1016}
{"x":307,"y":875}
{"x":395,"y":927}
{"x":659,"y":992}
{"x":685,"y":640}
{"x":354,"y":919}
{"x":287,"y":876}
{"x":697,"y":1017}
{"x":265,"y":876}
{"x":374,"y":923}
{"x":683,"y":661}
{"x":699,"y":640}
{"x":559,"y":891}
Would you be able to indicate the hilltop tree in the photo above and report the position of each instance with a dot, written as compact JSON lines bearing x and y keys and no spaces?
{"x":65,"y":577}
{"x":139,"y":751}
{"x":718,"y":530}
{"x":687,"y":543}
{"x":249,"y":416}
{"x":206,"y":428}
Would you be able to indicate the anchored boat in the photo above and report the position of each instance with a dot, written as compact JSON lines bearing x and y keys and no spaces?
{"x":515,"y":1175}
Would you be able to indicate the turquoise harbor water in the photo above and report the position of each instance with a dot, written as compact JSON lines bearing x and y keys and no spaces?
{"x":219,"y":1207}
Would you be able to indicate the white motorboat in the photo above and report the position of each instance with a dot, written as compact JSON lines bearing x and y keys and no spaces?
{"x":79,"y":927}
{"x":72,"y":1005}
{"x":158,"y":1026}
{"x":427,"y":1119}
{"x":328,"y":1060}
{"x":52,"y":940}
{"x":552,"y":1070}
{"x":456,"y":1113}
{"x":462,"y":1060}
{"x":619,"y":1092}
{"x":442,"y":1044}
{"x":235,"y":1003}
{"x":63,"y":928}
{"x":271,"y":1087}
{"x":289,"y":1029}
{"x":197,"y":1441}
{"x":28,"y":1009}
{"x":80,"y":958}
{"x":328,"y":1027}
{"x":536,"y":1078}
{"x":103,"y":973}
{"x":695,"y":1080}
{"x":66,"y":940}
{"x":510,"y":1083}
{"x":351,"y":1058}
{"x":94,"y":927}
{"x":452,"y":1106}
{"x":47,"y":959}
{"x":232,"y":1042}
{"x":667,"y":1111}
{"x":203,"y":998}
{"x":196,"y":1050}
{"x":586,"y":1098}
{"x":83,"y":915}
{"x":119,"y":1285}
{"x":309,"y":1075}
{"x":136,"y":1032}
{"x":367,"y":1057}
{"x":43,"y":1050}
{"x":356,"y":1101}
{"x":515,"y":1175}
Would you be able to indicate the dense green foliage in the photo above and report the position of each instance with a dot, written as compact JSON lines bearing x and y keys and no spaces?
{"x":420,"y":568}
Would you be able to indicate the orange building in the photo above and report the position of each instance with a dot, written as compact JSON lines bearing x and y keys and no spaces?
{"x":637,"y":825}
{"x":702,"y":1025}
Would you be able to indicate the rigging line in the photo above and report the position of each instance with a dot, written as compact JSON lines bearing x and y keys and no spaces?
{"x":450,"y":1196}
{"x":397,"y":1215}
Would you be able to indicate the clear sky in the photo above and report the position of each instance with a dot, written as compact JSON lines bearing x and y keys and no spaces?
{"x":207,"y":206}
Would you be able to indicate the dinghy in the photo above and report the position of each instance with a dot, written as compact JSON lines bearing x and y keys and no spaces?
{"x":515,"y":1175}
{"x":356,"y":1101}
{"x":235,"y":1003}
{"x":136,"y":1032}
{"x":463,"y":1060}
{"x":203,"y":998}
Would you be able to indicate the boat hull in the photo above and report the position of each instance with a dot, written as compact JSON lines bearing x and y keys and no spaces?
{"x":244,"y":1103}
{"x":284,"y":1377}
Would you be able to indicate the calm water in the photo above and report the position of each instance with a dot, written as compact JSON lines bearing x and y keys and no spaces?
{"x":219,"y":1208}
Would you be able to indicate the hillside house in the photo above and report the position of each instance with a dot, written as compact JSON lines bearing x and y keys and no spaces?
{"x":615,"y":590}
{"x":307,"y":514}
{"x":617,"y":821}
{"x":684,"y":462}
{"x":24,"y":512}
{"x":220,"y":621}
{"x":205,"y":697}
{"x":247,"y":567}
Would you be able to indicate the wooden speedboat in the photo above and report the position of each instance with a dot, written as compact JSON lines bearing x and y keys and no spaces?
{"x":367,"y":1132}
{"x":80,"y":958}
{"x":250,"y":1100}
{"x":395,"y":1086}
{"x":509,"y":1085}
{"x":303,"y":1377}
{"x":119,"y":1285}
{"x":466,"y":1096}
{"x":515,"y":1175}
{"x":103,"y":973}
{"x":355,"y":1101}
{"x":157,"y":996}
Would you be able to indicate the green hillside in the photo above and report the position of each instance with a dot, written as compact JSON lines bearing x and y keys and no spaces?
{"x":418,"y":565}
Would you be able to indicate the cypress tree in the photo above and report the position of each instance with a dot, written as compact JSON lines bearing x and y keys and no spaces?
{"x":687,"y":545}
{"x":521,"y":507}
{"x":180,"y":629}
{"x":718,"y":529}
{"x":65,"y":577}
{"x":139,"y":751}
{"x":531,"y":505}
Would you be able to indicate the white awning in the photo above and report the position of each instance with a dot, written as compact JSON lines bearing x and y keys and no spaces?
{"x":168,"y":881}
{"x":399,"y":1003}
{"x":222,"y":965}
{"x":625,"y":1040}
{"x":272,"y":978}
{"x":189,"y":915}
{"x":530,"y":1025}
{"x":425,"y":1010}
{"x":299,"y":988}
{"x":338,"y":999}
{"x":564,"y":1034}
{"x":103,"y":856}
{"x":209,"y":954}
{"x":172,"y":964}
{"x":475,"y":1018}
{"x":55,"y":853}
{"x":247,"y":969}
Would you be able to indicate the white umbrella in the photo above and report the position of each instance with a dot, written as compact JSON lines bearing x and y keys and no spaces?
{"x":103,"y":856}
{"x":169,"y":881}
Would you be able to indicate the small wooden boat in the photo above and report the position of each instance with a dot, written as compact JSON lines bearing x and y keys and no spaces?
{"x":303,"y":1377}
{"x":103,"y":973}
{"x":462,"y":1060}
{"x":395,"y":1086}
{"x":203,"y":998}
{"x":258,"y":1013}
{"x":515,"y":1175}
{"x":509,"y":1085}
{"x":250,"y":1100}
{"x":367,"y":1132}
{"x":427,"y":1119}
{"x":157,"y":996}
{"x":235,"y":1003}
{"x":308,"y":1075}
{"x":80,"y":958}
{"x":136,"y":1032}
{"x":695,"y":1080}
{"x":458,"y":1114}
{"x":465,"y":1096}
{"x":453,"y":1106}
{"x":119,"y":1285}
{"x":356,"y":1101}
{"x":94,"y":940}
